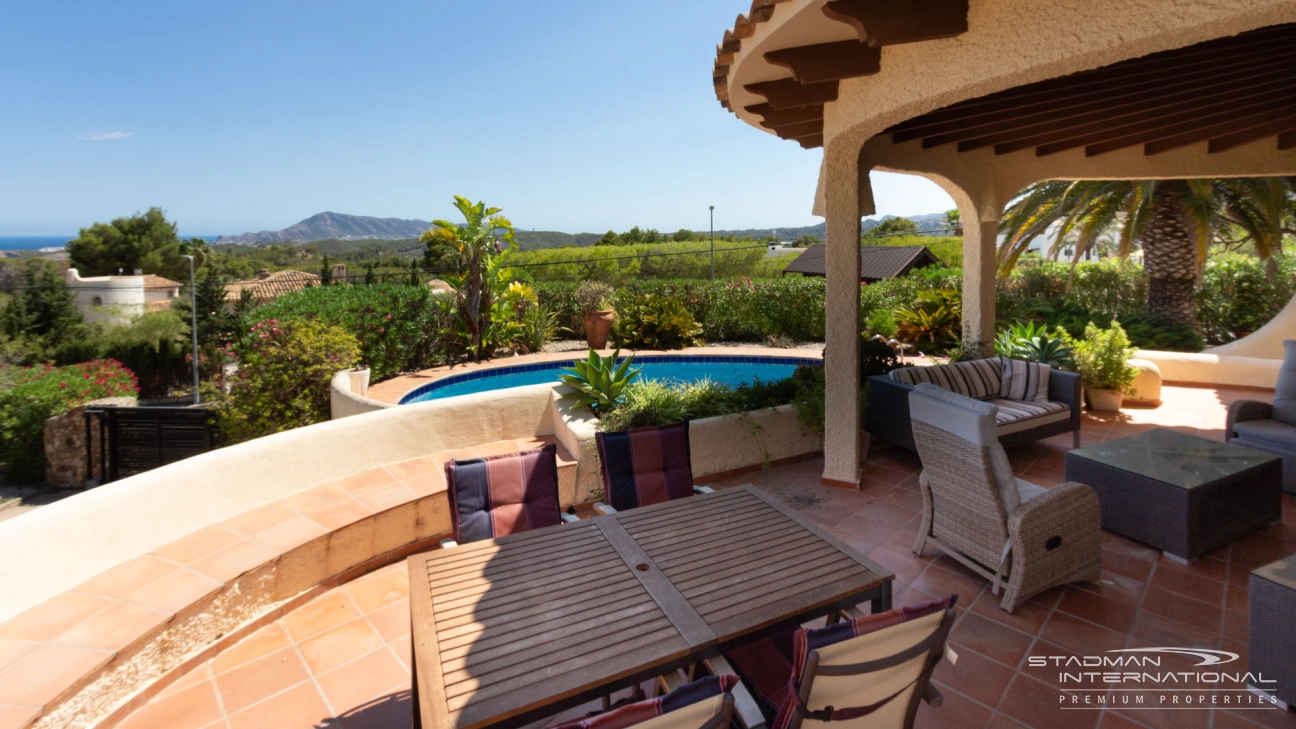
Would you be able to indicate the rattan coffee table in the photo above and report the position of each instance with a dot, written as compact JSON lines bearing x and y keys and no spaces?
{"x":1180,"y":493}
{"x":1272,"y":646}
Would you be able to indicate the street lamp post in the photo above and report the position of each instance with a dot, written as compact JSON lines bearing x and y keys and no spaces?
{"x":712,"y":242}
{"x":193,"y":326}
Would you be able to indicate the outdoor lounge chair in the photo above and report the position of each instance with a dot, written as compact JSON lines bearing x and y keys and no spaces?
{"x":645,"y":466}
{"x":1270,"y":428}
{"x":503,"y":495}
{"x":703,"y":704}
{"x":1017,"y":535}
{"x":869,"y":672}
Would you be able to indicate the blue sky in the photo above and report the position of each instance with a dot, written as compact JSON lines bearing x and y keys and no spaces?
{"x":580,"y":115}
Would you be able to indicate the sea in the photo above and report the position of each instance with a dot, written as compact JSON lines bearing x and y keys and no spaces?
{"x":32,"y":243}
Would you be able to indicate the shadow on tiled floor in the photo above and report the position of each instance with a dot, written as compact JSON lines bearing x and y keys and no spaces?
{"x":342,"y":661}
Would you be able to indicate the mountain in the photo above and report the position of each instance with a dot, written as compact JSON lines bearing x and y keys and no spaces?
{"x":336,"y":226}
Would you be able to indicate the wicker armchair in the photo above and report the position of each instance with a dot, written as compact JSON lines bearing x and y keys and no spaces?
{"x":1020,"y":536}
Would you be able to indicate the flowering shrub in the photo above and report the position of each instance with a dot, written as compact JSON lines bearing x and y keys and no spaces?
{"x":655,"y":322}
{"x":30,"y":395}
{"x":283,"y":377}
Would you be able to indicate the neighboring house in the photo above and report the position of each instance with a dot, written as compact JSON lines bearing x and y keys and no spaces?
{"x":877,"y":263}
{"x":270,"y":286}
{"x":119,"y":298}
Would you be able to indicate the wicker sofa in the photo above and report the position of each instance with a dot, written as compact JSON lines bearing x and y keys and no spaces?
{"x":1019,"y":421}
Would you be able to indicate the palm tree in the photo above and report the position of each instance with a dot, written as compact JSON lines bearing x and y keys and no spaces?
{"x":1174,"y":222}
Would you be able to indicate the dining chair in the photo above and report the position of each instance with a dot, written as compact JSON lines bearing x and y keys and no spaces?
{"x":645,"y":466}
{"x":1021,"y":537}
{"x":702,"y":704}
{"x":502,"y":495}
{"x":865,"y":672}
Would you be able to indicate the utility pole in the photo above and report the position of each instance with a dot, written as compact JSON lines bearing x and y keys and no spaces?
{"x":193,"y":321}
{"x":712,"y":242}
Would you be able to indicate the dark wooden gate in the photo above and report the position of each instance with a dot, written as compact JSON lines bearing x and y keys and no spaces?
{"x":141,"y":439}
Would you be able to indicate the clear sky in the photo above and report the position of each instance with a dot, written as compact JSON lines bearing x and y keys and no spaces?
{"x":577,"y":115}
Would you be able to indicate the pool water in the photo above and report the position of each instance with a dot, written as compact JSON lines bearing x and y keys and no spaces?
{"x":730,"y":371}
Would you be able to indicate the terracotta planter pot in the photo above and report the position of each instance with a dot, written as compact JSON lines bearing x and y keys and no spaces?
{"x":597,"y":326}
{"x":1104,"y":400}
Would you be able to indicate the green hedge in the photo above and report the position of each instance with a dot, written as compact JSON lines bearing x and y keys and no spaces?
{"x":618,"y":265}
{"x":399,"y":328}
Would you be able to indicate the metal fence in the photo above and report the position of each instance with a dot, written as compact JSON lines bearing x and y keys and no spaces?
{"x":141,"y":439}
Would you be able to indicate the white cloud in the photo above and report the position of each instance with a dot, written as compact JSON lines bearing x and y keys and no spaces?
{"x":102,"y":136}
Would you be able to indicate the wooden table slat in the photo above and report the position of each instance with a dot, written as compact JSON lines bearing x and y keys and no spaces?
{"x":703,"y":595}
{"x":681,"y":566}
{"x":753,"y":521}
{"x":490,"y":594}
{"x":712,"y":514}
{"x":672,"y":509}
{"x":810,"y":526}
{"x":788,"y":560}
{"x":836,"y":582}
{"x":542,"y":610}
{"x":592,"y":554}
{"x":518,"y":544}
{"x":487,"y":601}
{"x":593,"y":616}
{"x":581,"y":539}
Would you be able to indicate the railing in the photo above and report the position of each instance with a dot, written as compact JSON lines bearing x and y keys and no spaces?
{"x":141,"y":439}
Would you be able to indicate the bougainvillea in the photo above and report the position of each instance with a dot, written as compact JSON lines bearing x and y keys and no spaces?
{"x":30,"y":395}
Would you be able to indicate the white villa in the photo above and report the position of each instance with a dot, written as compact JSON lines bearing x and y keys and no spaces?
{"x":118,"y":298}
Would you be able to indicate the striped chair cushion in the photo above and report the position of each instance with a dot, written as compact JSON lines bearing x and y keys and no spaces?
{"x":772,"y":666}
{"x":977,"y":379}
{"x":641,"y":711}
{"x":503,"y":495}
{"x":1012,"y":411}
{"x":646,"y":465}
{"x":1028,"y":381}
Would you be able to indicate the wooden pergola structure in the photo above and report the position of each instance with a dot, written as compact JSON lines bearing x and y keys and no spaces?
{"x":985,"y":97}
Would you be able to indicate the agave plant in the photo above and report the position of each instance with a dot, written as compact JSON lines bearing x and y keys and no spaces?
{"x":598,"y":381}
{"x":1032,"y":342}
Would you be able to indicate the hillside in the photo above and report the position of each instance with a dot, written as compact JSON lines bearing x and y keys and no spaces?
{"x":335,"y":226}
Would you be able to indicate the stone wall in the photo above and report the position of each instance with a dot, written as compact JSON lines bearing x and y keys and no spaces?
{"x":65,"y":445}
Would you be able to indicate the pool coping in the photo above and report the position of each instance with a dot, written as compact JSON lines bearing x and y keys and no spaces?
{"x":393,"y":391}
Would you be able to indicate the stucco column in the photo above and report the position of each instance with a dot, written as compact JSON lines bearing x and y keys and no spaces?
{"x":980,"y":266}
{"x":844,"y":183}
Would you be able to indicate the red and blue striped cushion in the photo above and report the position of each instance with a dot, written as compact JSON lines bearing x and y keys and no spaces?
{"x":503,"y":495}
{"x":772,"y":666}
{"x":639,"y":712}
{"x":646,"y":466}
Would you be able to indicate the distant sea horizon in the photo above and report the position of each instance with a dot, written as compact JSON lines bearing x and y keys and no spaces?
{"x":36,"y":242}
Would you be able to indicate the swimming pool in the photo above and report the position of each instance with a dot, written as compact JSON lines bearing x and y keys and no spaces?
{"x":677,"y":368}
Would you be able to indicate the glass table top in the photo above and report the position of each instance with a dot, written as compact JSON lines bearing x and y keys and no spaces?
{"x":1169,"y":456}
{"x":1282,"y":572}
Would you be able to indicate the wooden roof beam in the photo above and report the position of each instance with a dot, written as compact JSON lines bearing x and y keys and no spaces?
{"x":1278,"y":115}
{"x":1287,"y":140}
{"x":811,"y":142}
{"x":828,"y":61}
{"x":889,"y":23}
{"x":801,"y":129}
{"x":779,"y":117}
{"x":1254,"y":134}
{"x":787,"y":93}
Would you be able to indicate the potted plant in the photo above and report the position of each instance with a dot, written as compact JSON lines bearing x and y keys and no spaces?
{"x":597,"y":382}
{"x":1102,"y":358}
{"x":359,"y":380}
{"x":595,"y":300}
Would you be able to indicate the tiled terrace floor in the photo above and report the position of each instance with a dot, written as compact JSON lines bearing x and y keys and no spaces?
{"x":342,"y":661}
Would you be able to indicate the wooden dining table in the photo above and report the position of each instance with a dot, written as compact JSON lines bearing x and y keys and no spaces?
{"x":511,"y":630}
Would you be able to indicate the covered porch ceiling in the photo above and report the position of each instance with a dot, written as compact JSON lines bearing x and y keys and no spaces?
{"x":1223,"y":93}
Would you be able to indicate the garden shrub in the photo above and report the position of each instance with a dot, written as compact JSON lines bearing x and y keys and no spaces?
{"x":1238,"y":297}
{"x":30,"y":395}
{"x":656,"y":402}
{"x":655,"y":322}
{"x":283,"y":377}
{"x":398,"y":328}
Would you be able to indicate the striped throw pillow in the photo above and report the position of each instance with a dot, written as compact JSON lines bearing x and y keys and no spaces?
{"x":1025,"y":381}
{"x":977,"y":379}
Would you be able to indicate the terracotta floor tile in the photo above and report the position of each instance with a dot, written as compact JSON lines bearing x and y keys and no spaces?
{"x":386,"y":497}
{"x":116,"y":627}
{"x":935,"y":581}
{"x":1027,"y":618}
{"x":403,"y":650}
{"x":905,"y":567}
{"x":426,"y":484}
{"x":1185,"y":610}
{"x":991,"y":639}
{"x":175,"y":591}
{"x":127,"y":577}
{"x":1037,"y":704}
{"x":1056,"y":661}
{"x":956,"y":712}
{"x":392,"y":621}
{"x":264,"y":641}
{"x":259,"y":519}
{"x":339,"y":645}
{"x":366,"y":481}
{"x":329,"y":611}
{"x":193,"y":708}
{"x":1159,"y":630}
{"x":315,"y":497}
{"x":975,"y":676}
{"x":1235,"y":598}
{"x":364,"y":679}
{"x":380,"y":589}
{"x":202,"y":543}
{"x":11,"y":651}
{"x":289,"y":535}
{"x":911,"y":500}
{"x":1213,"y":569}
{"x":53,"y":617}
{"x":47,"y":673}
{"x":16,"y":717}
{"x":1117,"y":616}
{"x":1235,"y":626}
{"x":193,"y":678}
{"x":1123,"y":564}
{"x":887,"y":513}
{"x":414,"y":467}
{"x":302,"y":706}
{"x":1080,"y":635}
{"x":886,"y":474}
{"x":393,"y":711}
{"x":1114,"y":586}
{"x":338,"y":514}
{"x":227,"y":564}
{"x":999,"y":721}
{"x":260,"y":678}
{"x":866,"y":528}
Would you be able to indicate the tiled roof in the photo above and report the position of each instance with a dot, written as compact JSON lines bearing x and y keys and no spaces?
{"x":271,"y":286}
{"x":876,"y":262}
{"x":153,"y":282}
